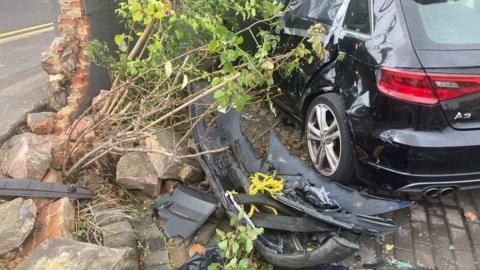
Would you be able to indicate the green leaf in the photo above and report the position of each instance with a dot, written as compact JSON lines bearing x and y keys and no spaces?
{"x":214,"y":266}
{"x":232,"y":264}
{"x":179,"y":33}
{"x":133,"y":71}
{"x":218,"y":94}
{"x":216,"y":81}
{"x":249,"y":245}
{"x":138,"y":16}
{"x":185,"y":81}
{"x":221,"y":31}
{"x":220,"y":233}
{"x":235,"y":247}
{"x":239,"y":40}
{"x":243,"y":263}
{"x":223,"y":245}
{"x":119,"y":39}
{"x":159,"y":15}
{"x":150,"y":9}
{"x":212,"y":47}
{"x":228,"y":67}
{"x":168,"y":69}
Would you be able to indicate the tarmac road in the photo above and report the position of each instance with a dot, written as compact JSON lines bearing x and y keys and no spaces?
{"x":19,"y":14}
{"x":22,"y":80}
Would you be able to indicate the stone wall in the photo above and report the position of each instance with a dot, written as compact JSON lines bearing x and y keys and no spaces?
{"x":73,"y":79}
{"x":68,"y":64}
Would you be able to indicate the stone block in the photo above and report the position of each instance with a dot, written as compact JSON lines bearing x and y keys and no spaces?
{"x":16,"y":222}
{"x":163,"y":146}
{"x":135,"y":171}
{"x":60,"y":253}
{"x":41,"y":123}
{"x":26,"y":156}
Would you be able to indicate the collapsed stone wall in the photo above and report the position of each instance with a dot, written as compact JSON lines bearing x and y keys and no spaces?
{"x":39,"y":155}
{"x":68,"y":66}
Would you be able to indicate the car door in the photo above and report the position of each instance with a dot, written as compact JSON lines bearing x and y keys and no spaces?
{"x":355,"y":66}
{"x":299,"y":17}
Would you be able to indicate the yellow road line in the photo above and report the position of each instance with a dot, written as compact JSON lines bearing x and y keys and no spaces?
{"x":25,"y":30}
{"x":25,"y":35}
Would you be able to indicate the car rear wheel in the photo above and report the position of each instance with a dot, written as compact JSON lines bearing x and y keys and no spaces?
{"x":328,"y":138}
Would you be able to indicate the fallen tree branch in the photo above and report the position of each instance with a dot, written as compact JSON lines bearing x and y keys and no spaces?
{"x":170,"y":154}
{"x":202,"y":95}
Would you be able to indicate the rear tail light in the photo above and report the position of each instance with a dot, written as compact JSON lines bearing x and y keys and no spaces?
{"x":418,"y":87}
{"x":454,"y":86}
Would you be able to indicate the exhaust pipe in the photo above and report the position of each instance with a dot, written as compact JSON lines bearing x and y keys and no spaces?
{"x":431,"y":193}
{"x":447,"y":192}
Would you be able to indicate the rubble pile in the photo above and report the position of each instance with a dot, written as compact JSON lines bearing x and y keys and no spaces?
{"x":149,"y":171}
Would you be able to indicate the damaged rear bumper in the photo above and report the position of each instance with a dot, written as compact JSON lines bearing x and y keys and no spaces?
{"x":344,"y":212}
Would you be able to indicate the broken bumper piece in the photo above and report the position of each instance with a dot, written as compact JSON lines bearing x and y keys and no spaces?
{"x":37,"y":189}
{"x":184,"y":211}
{"x":308,"y":201}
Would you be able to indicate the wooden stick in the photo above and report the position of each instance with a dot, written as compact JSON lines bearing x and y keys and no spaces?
{"x":185,"y":105}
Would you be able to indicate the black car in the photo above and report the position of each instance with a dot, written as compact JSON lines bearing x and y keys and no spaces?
{"x":397,"y":101}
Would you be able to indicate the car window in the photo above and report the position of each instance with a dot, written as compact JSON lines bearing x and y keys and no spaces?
{"x":444,"y":24}
{"x":357,"y":18}
{"x":301,"y":14}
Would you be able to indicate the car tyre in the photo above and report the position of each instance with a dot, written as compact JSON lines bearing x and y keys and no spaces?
{"x":329,"y":141}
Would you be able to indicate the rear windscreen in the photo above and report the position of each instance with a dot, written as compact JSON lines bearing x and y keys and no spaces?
{"x":443,"y":24}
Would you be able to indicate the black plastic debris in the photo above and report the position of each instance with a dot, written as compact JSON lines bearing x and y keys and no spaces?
{"x":339,"y":213}
{"x":184,"y":210}
{"x":319,"y":267}
{"x":202,"y":261}
{"x":351,"y":200}
{"x":37,"y":189}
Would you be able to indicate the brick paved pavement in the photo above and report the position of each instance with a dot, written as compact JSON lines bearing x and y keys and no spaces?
{"x":434,"y":234}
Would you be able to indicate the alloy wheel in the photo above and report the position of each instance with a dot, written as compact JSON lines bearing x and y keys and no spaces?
{"x":324,"y":140}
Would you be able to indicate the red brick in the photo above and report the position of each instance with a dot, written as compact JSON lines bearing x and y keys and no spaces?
{"x":77,"y":4}
{"x":66,"y":21}
{"x":73,"y":12}
{"x":61,"y":127}
{"x":83,"y":62}
{"x":56,"y":219}
{"x":73,"y":21}
{"x":68,"y":113}
{"x":77,"y":96}
{"x":41,"y":123}
{"x":84,"y":29}
{"x":83,"y":68}
{"x":81,"y":80}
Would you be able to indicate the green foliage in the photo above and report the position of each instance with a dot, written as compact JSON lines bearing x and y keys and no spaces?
{"x":237,"y":246}
{"x":199,"y":40}
{"x":317,"y":31}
